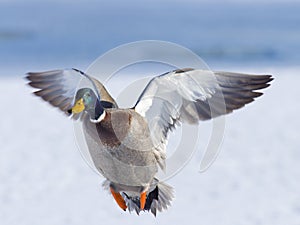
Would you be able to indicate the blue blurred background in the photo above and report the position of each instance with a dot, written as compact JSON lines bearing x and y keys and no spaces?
{"x":36,"y":34}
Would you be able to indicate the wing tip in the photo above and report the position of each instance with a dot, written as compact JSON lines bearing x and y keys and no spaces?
{"x":28,"y":76}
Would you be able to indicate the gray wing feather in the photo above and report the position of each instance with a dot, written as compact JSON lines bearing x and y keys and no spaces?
{"x":58,"y":87}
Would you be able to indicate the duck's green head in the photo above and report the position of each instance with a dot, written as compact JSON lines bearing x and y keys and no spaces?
{"x":85,"y":100}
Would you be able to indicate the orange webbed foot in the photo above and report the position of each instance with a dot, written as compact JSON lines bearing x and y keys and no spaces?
{"x":143,"y":198}
{"x":119,"y":199}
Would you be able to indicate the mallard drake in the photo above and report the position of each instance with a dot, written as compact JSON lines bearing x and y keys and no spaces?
{"x":128,"y":146}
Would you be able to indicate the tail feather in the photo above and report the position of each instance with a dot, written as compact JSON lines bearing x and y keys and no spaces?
{"x":166,"y":194}
{"x":158,"y":199}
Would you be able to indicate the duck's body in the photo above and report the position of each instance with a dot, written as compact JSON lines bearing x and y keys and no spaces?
{"x":127,"y":146}
{"x":121,"y":148}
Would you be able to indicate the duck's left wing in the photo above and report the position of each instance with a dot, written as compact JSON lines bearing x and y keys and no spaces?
{"x":190,"y":95}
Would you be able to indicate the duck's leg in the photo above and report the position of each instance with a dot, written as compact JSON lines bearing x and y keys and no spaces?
{"x":143,"y":198}
{"x":119,"y":199}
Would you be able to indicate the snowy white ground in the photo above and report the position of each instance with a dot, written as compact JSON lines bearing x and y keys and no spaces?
{"x":255,"y":180}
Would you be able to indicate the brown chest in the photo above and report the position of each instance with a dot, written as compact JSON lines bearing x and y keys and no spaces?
{"x":114,"y":128}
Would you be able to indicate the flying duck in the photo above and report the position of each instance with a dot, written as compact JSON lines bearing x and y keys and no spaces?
{"x":128,"y":146}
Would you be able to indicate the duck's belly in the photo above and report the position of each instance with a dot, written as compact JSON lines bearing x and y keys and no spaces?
{"x":124,"y":166}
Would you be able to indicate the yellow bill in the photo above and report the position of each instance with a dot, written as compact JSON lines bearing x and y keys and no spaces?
{"x":78,"y":107}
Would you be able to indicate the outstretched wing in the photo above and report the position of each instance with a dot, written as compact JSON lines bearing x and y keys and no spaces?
{"x":58,"y":87}
{"x":190,"y":95}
